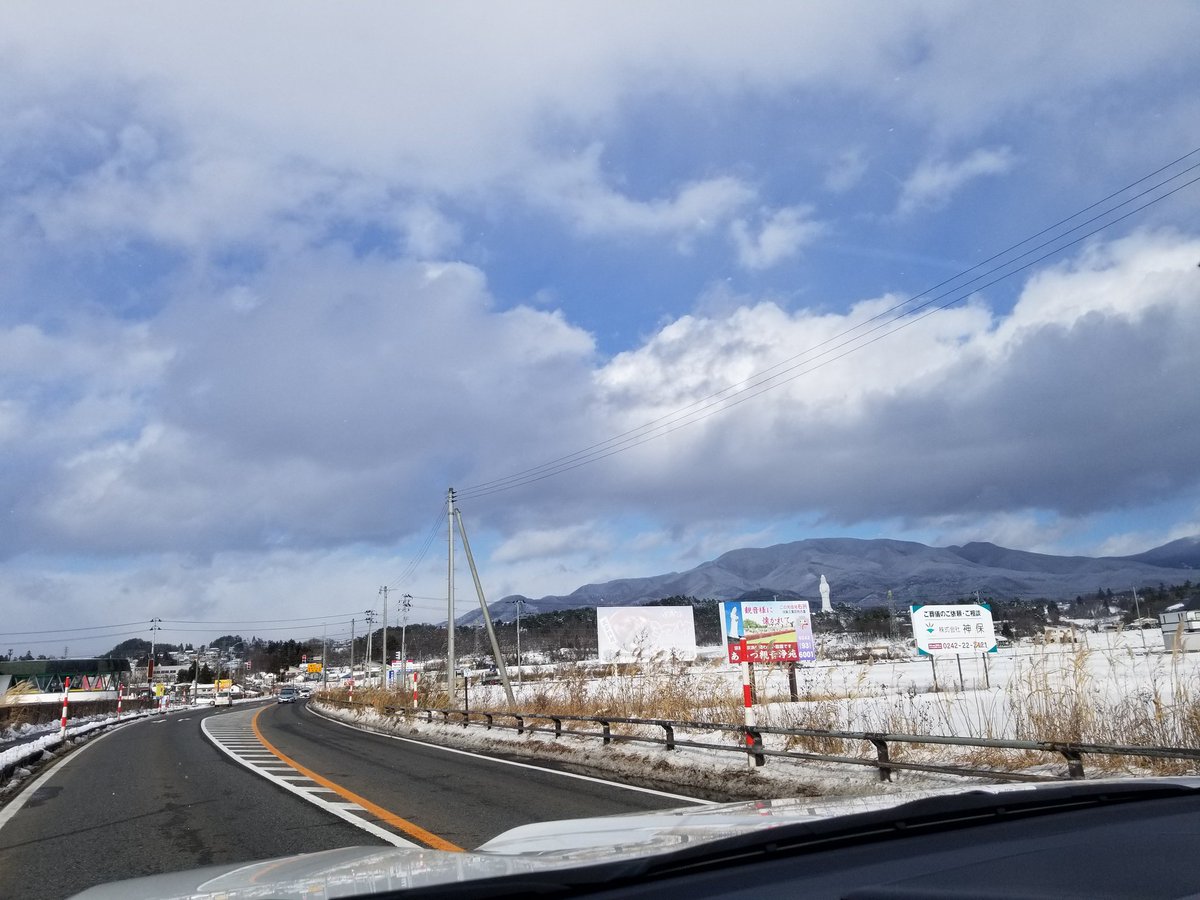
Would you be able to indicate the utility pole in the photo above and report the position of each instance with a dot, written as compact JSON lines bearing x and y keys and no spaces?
{"x":155,"y":625}
{"x":383,"y":657}
{"x":370,"y":627}
{"x":324,"y":656}
{"x":351,"y":649}
{"x":1138,"y":611}
{"x":196,"y":678}
{"x":407,"y":603}
{"x":487,"y":616}
{"x":519,"y":602}
{"x":451,"y":679}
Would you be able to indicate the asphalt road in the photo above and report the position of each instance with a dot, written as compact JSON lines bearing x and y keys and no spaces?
{"x":157,"y":796}
{"x":465,"y":799}
{"x":151,"y":797}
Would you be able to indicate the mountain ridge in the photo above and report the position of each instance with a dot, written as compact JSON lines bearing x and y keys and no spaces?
{"x":863,"y":571}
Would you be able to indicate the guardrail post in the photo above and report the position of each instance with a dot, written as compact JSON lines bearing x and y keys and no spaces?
{"x":488,"y":716}
{"x":1074,"y":763}
{"x":607,"y":732}
{"x":557,"y":727}
{"x":754,"y":743}
{"x":520,"y":724}
{"x":445,"y":716}
{"x":429,"y":716}
{"x":881,"y":750}
{"x":670,"y":730}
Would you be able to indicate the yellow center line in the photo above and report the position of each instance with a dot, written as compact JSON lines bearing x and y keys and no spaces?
{"x":412,"y":830}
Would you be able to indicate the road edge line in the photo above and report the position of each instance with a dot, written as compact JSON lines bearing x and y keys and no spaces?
{"x":370,"y":827}
{"x":17,"y":803}
{"x":511,"y":762}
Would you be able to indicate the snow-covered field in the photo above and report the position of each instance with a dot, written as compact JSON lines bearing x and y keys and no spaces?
{"x":1118,"y":688}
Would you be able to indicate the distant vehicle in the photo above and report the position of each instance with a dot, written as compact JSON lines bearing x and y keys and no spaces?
{"x":305,"y":690}
{"x":221,"y":698}
{"x":287,"y":694}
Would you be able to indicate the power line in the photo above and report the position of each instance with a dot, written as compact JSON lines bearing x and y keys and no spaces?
{"x":764,"y":381}
{"x":411,"y":569}
{"x":337,"y":615}
{"x":8,"y":634}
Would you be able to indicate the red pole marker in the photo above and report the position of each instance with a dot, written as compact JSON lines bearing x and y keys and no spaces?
{"x":351,"y":690}
{"x":120,"y":696}
{"x":62,"y":731}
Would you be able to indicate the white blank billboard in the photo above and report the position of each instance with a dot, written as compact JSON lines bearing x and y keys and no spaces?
{"x":645,"y":633}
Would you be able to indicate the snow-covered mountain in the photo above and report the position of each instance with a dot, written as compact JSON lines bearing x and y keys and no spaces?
{"x":863,"y":571}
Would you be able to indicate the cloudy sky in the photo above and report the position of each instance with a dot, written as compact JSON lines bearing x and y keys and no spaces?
{"x":274,"y":276}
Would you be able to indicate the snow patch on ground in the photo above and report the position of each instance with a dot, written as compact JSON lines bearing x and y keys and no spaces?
{"x":707,"y":774}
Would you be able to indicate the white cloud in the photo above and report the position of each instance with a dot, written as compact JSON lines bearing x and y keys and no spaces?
{"x":430,"y":234}
{"x":539,"y":543}
{"x":847,"y":171}
{"x":933,"y":183}
{"x":780,"y":236}
{"x":293,"y":381}
{"x":1022,"y":529}
{"x":577,"y":191}
{"x":965,"y":412}
{"x":1133,"y":542}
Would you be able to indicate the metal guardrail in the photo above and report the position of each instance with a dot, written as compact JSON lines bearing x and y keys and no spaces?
{"x":750,"y":741}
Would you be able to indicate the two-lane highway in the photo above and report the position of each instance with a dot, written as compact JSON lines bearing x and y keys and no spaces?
{"x":464,"y":798}
{"x":159,"y":796}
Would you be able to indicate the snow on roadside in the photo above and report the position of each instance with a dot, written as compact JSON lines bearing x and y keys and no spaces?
{"x":720,"y":775}
{"x":45,"y":746}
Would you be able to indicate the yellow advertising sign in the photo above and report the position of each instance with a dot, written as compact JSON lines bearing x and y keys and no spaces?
{"x":314,"y":668}
{"x":160,"y":689}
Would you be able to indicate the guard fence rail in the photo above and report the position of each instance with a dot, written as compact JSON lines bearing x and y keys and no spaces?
{"x":749,"y":740}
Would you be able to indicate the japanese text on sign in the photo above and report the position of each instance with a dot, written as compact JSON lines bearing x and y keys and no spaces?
{"x":778,"y":631}
{"x":953,"y":629}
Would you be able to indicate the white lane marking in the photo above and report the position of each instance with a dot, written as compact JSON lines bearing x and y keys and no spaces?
{"x":14,"y":806}
{"x":336,"y":809}
{"x":520,"y":765}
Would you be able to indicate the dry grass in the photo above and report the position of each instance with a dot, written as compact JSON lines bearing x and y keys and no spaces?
{"x":1075,"y":696}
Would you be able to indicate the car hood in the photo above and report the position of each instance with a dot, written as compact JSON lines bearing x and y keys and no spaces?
{"x":541,"y":847}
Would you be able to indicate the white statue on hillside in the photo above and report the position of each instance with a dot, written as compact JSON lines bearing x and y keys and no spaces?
{"x":825,"y":607}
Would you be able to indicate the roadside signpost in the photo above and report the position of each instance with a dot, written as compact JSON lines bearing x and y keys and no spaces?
{"x":952,"y":630}
{"x":775,"y":631}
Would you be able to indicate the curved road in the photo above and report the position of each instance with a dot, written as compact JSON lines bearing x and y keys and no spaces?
{"x":158,"y":796}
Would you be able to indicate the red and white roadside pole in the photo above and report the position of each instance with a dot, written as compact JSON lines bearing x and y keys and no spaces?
{"x":414,"y":678}
{"x":62,"y":729}
{"x":120,"y":697}
{"x":748,"y":704}
{"x":351,"y":690}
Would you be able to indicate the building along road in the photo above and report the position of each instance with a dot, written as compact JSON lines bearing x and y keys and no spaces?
{"x":164,"y":794}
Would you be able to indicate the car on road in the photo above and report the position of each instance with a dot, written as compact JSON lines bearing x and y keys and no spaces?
{"x":221,"y":698}
{"x":287,"y":694}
